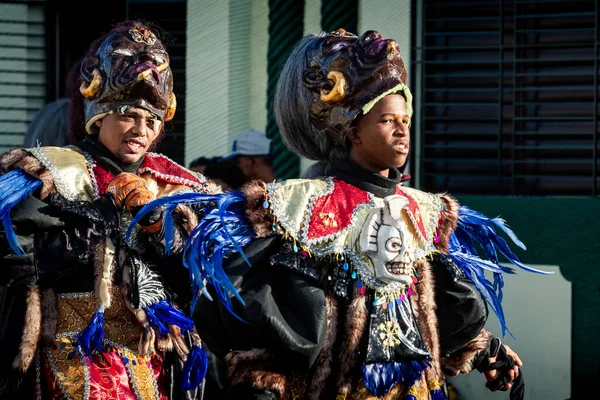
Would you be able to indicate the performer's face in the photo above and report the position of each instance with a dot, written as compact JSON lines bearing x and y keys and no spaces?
{"x":381,"y":139}
{"x":128,"y":135}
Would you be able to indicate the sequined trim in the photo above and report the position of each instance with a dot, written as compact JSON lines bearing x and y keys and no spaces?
{"x":80,"y":295}
{"x":62,"y":187}
{"x":360,"y":265}
{"x":431,"y":204}
{"x":56,"y":373}
{"x":138,"y":374}
{"x":279,"y":208}
{"x":91,"y":164}
{"x":38,"y":376}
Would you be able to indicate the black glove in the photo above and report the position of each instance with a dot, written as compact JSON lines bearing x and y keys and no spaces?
{"x":503,"y":364}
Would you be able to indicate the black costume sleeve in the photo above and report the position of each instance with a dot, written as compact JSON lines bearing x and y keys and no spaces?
{"x":461,"y":310}
{"x":28,"y":217}
{"x":284,"y":313}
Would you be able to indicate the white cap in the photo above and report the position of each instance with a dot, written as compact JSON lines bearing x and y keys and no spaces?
{"x":251,"y":143}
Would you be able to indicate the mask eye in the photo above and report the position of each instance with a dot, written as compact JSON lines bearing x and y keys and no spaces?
{"x":339,"y":46}
{"x":123,"y":52}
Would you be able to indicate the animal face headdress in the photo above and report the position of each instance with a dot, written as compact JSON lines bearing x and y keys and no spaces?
{"x":342,"y":76}
{"x":130,"y":68}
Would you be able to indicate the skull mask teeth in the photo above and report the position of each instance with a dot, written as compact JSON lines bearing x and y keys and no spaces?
{"x":388,"y":242}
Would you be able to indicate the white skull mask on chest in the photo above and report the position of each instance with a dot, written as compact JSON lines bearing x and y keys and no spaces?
{"x":386,"y":239}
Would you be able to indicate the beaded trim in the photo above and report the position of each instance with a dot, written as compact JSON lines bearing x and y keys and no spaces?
{"x":360,"y":265}
{"x":302,"y":236}
{"x":38,"y":376}
{"x":436,"y":202}
{"x":130,"y":370}
{"x":80,"y":295}
{"x":172,"y":178}
{"x":91,"y":164}
{"x":58,"y":182}
{"x":58,"y":381}
{"x":67,"y":334}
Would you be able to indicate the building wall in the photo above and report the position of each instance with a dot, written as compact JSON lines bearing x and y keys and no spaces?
{"x":226,"y":73}
{"x":226,"y":65}
{"x":22,"y":61}
{"x":558,"y":231}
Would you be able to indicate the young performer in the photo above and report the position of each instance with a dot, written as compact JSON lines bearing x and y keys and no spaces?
{"x":85,"y":315}
{"x":351,"y":286}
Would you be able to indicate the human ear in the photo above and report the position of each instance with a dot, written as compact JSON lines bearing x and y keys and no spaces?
{"x":352,"y":134}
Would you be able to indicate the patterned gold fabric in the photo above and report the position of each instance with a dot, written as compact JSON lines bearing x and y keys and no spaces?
{"x":118,"y":373}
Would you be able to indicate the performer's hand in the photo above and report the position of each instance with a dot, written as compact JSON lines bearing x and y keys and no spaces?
{"x":513,"y":372}
{"x":129,"y":191}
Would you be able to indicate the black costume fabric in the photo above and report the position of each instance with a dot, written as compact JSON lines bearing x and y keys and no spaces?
{"x":301,"y":318}
{"x":73,"y":239}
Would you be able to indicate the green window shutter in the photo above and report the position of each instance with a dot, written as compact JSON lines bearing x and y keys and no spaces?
{"x":509,"y":97}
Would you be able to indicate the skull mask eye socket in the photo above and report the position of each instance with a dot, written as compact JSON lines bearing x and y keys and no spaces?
{"x":393,"y":245}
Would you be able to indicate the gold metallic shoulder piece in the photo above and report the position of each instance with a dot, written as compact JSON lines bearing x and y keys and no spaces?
{"x":69,"y":169}
{"x":429,"y":205}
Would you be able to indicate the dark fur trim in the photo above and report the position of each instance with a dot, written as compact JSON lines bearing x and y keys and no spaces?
{"x":49,"y":315}
{"x":322,"y":367}
{"x":257,"y":214}
{"x":255,"y":367}
{"x":424,"y":309}
{"x":178,"y":341}
{"x":32,"y":330}
{"x":21,"y":159}
{"x":212,"y":188}
{"x":164,"y":343}
{"x":190,"y":218}
{"x":448,"y":221}
{"x":8,"y":159}
{"x":356,"y":321}
{"x":462,"y":360}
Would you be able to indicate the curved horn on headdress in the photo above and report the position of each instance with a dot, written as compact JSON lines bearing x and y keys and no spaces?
{"x":146,"y":73}
{"x":89,"y":90}
{"x":338,"y":92}
{"x":170,"y":113}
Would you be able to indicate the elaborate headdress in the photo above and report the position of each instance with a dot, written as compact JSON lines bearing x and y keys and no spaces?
{"x":129,"y":68}
{"x":328,"y":81}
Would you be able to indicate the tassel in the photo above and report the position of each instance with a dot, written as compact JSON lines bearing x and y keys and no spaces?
{"x":194,"y":368}
{"x":162,"y":314}
{"x":379,"y":378}
{"x":223,"y":230}
{"x":435,"y":391}
{"x":91,"y":338}
{"x":15,"y":186}
{"x":437,"y":395}
{"x":474,"y":227}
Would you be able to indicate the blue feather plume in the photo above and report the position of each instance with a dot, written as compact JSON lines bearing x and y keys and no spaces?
{"x":162,"y":314}
{"x":91,"y":338}
{"x":437,"y":394}
{"x":379,"y":378}
{"x":194,"y":368}
{"x":15,"y":186}
{"x":223,"y":229}
{"x":474,"y":227}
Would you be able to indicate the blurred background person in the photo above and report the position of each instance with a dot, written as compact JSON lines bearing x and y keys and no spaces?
{"x":225,"y":173}
{"x":199,"y":164}
{"x":253,"y":155}
{"x":50,"y":126}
